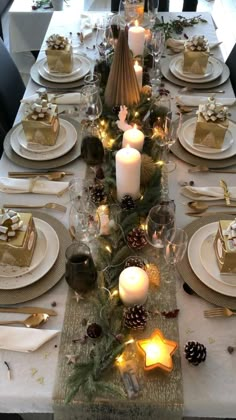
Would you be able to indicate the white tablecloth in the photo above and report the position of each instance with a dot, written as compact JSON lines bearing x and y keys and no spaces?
{"x":209,"y":389}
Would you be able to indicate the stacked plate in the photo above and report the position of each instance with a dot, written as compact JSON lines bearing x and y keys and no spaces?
{"x":13,"y":277}
{"x":202,"y":259}
{"x":186,"y":138}
{"x":31,"y":151}
{"x":213,"y":71}
{"x":41,"y":74}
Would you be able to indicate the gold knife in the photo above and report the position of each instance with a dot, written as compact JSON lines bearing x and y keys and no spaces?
{"x":209,"y":213}
{"x":28,"y":310}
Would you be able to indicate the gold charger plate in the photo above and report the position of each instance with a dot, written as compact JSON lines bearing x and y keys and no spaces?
{"x":189,"y":276}
{"x":55,"y":274}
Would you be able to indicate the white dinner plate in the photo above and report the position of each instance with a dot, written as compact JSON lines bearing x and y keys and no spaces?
{"x":84,"y":69}
{"x":214,"y":70}
{"x":43,"y":267}
{"x":75,"y":68}
{"x":8,"y":271}
{"x":189,"y":128}
{"x":40,"y":148}
{"x":195,"y":262}
{"x":186,"y":135}
{"x":208,"y":258}
{"x":71,"y":138}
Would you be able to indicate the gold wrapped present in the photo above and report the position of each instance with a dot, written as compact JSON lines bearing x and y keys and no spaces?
{"x":196,"y":54}
{"x":17,"y":238}
{"x":212,"y":125}
{"x":41,"y":125}
{"x":59,"y":54}
{"x":225,"y":246}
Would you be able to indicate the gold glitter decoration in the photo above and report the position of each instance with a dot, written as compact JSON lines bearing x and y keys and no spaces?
{"x":153,"y":274}
{"x":146,"y":90}
{"x":148,"y":169}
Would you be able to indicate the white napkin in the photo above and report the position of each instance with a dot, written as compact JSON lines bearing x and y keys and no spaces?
{"x":190,"y":100}
{"x":72,"y":98}
{"x":24,"y":339}
{"x":32,"y":185}
{"x":177,"y":45}
{"x":85,"y":25}
{"x":207,"y":193}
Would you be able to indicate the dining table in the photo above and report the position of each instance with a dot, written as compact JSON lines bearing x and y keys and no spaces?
{"x":208,"y":389}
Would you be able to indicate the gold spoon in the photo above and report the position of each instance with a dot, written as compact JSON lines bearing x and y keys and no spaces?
{"x":33,"y":321}
{"x":201,"y":168}
{"x":200,"y":207}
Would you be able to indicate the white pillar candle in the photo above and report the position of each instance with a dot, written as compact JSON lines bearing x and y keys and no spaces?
{"x":133,"y":286}
{"x":133,"y":138}
{"x":136,"y":37}
{"x":139,"y":74}
{"x":128,"y":167}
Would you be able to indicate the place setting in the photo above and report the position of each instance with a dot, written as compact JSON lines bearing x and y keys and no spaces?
{"x":43,"y":139}
{"x":61,"y":66}
{"x":195,"y":67}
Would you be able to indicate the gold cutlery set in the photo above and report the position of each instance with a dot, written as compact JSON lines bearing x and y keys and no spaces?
{"x":38,"y":316}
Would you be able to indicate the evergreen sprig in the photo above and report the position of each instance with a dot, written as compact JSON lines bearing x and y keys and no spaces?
{"x":178,"y":25}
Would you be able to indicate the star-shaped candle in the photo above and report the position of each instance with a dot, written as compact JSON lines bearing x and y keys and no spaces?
{"x":158,"y":351}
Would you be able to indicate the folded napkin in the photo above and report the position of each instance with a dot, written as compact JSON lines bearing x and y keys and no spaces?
{"x":207,"y":193}
{"x":24,"y":339}
{"x":72,"y":98}
{"x":189,"y":100}
{"x":85,"y":25}
{"x":32,"y":185}
{"x":177,"y":45}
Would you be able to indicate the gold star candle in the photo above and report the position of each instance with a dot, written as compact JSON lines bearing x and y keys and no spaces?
{"x":158,"y":351}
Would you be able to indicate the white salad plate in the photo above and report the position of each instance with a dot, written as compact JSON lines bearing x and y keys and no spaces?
{"x":47,"y":237}
{"x":214,"y":70}
{"x":84,"y":69}
{"x":71,"y":138}
{"x":194,"y":257}
{"x":75,"y":69}
{"x":40,"y":148}
{"x":186,"y":136}
{"x":208,"y":259}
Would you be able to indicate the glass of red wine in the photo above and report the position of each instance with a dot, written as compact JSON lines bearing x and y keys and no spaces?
{"x":81,"y":273}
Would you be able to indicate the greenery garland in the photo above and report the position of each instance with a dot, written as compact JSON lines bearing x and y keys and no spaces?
{"x":178,"y":25}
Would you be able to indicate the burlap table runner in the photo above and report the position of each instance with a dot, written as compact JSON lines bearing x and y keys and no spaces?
{"x":191,"y":279}
{"x":162,"y":394}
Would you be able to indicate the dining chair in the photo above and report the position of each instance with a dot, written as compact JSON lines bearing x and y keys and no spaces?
{"x":12,"y":88}
{"x":231,"y":63}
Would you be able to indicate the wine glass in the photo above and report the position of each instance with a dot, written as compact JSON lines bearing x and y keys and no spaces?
{"x":92,"y":105}
{"x":160,"y":219}
{"x":152,"y":7}
{"x":175,"y":245}
{"x":104,"y":37}
{"x":84,"y":221}
{"x":129,"y":11}
{"x":155,"y":43}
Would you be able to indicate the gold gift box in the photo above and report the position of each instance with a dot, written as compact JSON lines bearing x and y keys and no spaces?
{"x":60,"y":60}
{"x":195,"y":61}
{"x":18,"y":250}
{"x":225,"y":253}
{"x":43,"y":131}
{"x":210,"y":134}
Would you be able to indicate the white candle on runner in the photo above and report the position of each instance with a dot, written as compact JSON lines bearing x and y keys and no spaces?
{"x":136,"y":37}
{"x":139,"y":74}
{"x":133,"y":138}
{"x":133,"y":286}
{"x":128,"y":167}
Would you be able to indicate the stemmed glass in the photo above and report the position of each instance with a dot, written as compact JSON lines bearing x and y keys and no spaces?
{"x":92,"y":105}
{"x":175,"y":245}
{"x":160,"y":219}
{"x":128,"y":12}
{"x":152,"y":6}
{"x":104,"y":37}
{"x":155,"y":43}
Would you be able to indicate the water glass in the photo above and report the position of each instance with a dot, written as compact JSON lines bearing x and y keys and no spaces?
{"x":175,"y":245}
{"x":81,"y":273}
{"x":93,"y":79}
{"x":160,"y":218}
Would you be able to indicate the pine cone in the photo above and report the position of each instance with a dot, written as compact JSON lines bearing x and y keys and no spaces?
{"x":134,"y":262}
{"x":136,"y":238}
{"x":97,"y":194}
{"x":135,"y":317}
{"x":94,"y":330}
{"x":127,"y":202}
{"x":100,"y":173}
{"x":195,"y":352}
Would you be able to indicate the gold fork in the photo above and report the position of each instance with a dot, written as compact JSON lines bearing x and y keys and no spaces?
{"x":53,"y":206}
{"x":52,"y":176}
{"x":211,"y":313}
